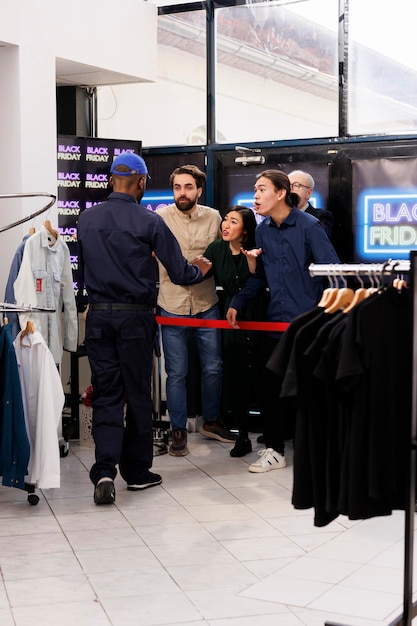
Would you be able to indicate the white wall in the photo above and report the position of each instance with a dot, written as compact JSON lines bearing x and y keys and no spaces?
{"x":10,"y":157}
{"x":115,"y":42}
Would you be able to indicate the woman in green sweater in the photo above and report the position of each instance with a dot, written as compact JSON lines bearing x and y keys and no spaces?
{"x":241,"y":350}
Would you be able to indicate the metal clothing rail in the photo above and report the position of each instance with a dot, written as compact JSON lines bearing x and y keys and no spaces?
{"x":8,"y":307}
{"x":32,"y":215}
{"x":386,"y":269}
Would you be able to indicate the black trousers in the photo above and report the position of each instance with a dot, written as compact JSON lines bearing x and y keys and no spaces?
{"x":271,"y":406}
{"x":119,"y":347}
{"x":242,"y":376}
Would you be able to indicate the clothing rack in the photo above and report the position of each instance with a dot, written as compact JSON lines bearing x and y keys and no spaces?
{"x":32,"y":215}
{"x":7,"y":307}
{"x":379,"y":270}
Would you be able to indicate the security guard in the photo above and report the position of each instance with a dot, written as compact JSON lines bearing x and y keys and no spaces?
{"x":117,"y":241}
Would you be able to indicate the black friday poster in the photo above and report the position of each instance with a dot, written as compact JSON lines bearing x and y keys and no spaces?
{"x":83,"y":172}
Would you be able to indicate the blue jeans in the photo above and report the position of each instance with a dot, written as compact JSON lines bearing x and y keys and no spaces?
{"x":175,"y":346}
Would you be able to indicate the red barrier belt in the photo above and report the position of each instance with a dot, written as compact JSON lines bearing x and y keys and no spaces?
{"x":203,"y":323}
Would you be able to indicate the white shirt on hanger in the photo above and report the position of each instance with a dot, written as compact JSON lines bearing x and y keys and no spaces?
{"x":43,"y":401}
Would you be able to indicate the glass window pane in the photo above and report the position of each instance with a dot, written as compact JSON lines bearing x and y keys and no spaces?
{"x":382,"y":70}
{"x":277,"y":71}
{"x":171,"y":111}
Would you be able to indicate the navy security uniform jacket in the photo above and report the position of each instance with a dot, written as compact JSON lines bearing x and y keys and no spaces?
{"x":116,"y":239}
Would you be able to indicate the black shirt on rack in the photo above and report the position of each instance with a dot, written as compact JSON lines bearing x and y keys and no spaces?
{"x":311,"y":432}
{"x":375,"y":367}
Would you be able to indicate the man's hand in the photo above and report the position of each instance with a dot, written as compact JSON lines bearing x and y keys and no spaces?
{"x":204,"y":264}
{"x":231,"y":317}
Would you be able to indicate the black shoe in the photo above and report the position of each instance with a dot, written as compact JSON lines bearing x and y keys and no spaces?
{"x":147,"y":479}
{"x":241,"y":447}
{"x":260,"y":439}
{"x":104,"y":492}
{"x":214,"y":430}
{"x":178,"y":445}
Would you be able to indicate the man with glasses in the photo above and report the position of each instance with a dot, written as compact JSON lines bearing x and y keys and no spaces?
{"x":302,"y":184}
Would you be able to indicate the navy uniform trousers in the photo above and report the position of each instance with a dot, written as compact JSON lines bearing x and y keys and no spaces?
{"x":119,"y":347}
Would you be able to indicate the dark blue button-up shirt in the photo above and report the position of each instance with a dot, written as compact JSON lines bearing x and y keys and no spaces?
{"x":287,"y":251}
{"x":115,"y":243}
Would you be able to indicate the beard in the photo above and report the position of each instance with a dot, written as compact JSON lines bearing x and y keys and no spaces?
{"x":184,"y":204}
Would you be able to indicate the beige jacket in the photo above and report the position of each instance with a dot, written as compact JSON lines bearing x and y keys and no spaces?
{"x":194,"y":233}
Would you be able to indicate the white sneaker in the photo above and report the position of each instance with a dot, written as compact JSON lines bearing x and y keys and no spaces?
{"x":269,"y":460}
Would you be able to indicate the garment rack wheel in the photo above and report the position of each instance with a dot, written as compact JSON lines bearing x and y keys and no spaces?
{"x":63,"y":448}
{"x":161,"y":436}
{"x":33,"y":498}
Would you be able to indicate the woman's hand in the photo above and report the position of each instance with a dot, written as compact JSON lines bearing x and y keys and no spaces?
{"x":251,"y":256}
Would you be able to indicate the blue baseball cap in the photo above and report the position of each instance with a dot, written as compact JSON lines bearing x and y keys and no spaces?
{"x":133,"y":162}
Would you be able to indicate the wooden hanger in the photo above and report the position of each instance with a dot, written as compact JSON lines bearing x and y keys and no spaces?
{"x":344,"y":297}
{"x":30,"y":328}
{"x":359,"y":295}
{"x":374,"y":288}
{"x":32,"y":230}
{"x":49,"y":228}
{"x":331,"y":297}
{"x":328,"y":294}
{"x":370,"y":291}
{"x":399,"y":283}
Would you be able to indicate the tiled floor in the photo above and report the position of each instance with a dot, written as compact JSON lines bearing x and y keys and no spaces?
{"x":214,"y":544}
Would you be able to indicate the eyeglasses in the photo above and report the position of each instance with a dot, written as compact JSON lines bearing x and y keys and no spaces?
{"x":298,"y":186}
